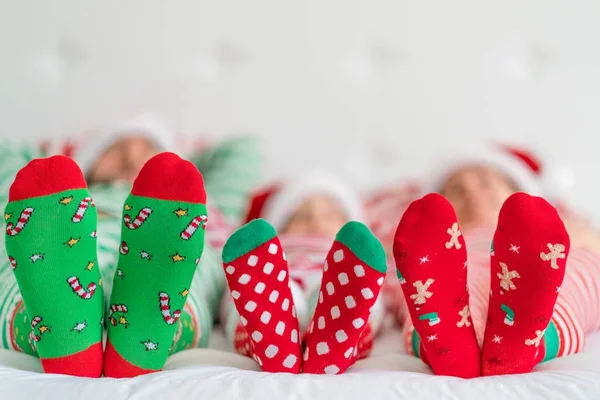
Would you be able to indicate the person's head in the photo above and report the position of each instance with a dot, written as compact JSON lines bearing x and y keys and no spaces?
{"x":477,"y":182}
{"x":316,"y":203}
{"x":120,"y":152}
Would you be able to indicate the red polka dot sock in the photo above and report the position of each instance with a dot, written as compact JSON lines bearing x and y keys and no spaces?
{"x":431,"y":259}
{"x":257,"y":275}
{"x":352,"y":277}
{"x":529,"y":254}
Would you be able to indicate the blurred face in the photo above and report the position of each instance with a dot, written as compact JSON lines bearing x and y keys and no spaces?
{"x":477,"y":194}
{"x":317,"y":215}
{"x":123,"y":160}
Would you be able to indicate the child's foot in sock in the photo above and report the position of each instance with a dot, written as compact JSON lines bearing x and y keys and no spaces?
{"x":258,"y":278}
{"x":352,"y":277}
{"x":431,"y":259}
{"x":163,"y":228}
{"x":528,"y":262}
{"x":257,"y":275}
{"x":50,"y":239}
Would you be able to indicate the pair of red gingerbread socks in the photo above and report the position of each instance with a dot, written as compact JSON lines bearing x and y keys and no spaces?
{"x":528,"y":258}
{"x":339,"y":334}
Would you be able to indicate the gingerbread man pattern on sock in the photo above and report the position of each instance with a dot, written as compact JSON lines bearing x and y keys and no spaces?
{"x":431,"y":258}
{"x":353,"y":273}
{"x":258,"y":279}
{"x":531,"y":247}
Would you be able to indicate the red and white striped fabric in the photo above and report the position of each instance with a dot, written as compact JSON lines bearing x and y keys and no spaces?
{"x":577,"y":309}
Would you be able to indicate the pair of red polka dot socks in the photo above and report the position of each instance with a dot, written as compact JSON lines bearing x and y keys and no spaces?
{"x":527,"y":264}
{"x":257,"y":275}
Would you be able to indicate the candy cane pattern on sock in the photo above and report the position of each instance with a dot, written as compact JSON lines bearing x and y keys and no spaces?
{"x":192,"y":227}
{"x":124,"y":248}
{"x":33,"y":338}
{"x":13,"y":262}
{"x":12,"y":230}
{"x":80,"y":291}
{"x":165,"y":309}
{"x":139,"y":219}
{"x":117,"y":308}
{"x":83,"y":206}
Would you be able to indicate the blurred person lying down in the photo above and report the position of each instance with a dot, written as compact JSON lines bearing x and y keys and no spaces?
{"x":493,"y":281}
{"x":152,"y":214}
{"x":304,"y":281}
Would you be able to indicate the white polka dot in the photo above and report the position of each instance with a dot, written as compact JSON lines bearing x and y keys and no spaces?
{"x":244,"y":279}
{"x":230,"y":270}
{"x":265,"y":317}
{"x":343,"y":278}
{"x":338,"y":256}
{"x":348,"y":352}
{"x":280,"y":328}
{"x":258,"y":360}
{"x":312,"y":325}
{"x":243,"y":320}
{"x":350,"y":303}
{"x":260,"y":287}
{"x":268,"y":268}
{"x":358,"y":322}
{"x":250,"y":306}
{"x":380,"y":281}
{"x":320,"y":297}
{"x":252,"y":260}
{"x":281,"y":276}
{"x":335,"y":312}
{"x":321,"y":323}
{"x":273,"y":248}
{"x":325,"y":266}
{"x":257,"y":336}
{"x":235,"y":294}
{"x":367,"y":293}
{"x":284,"y":256}
{"x":271,"y":351}
{"x":290,"y":361}
{"x":294,"y":311}
{"x":355,"y":351}
{"x":330,"y":288}
{"x":273,"y":296}
{"x":285,"y":304}
{"x":331,"y":370}
{"x":305,"y":354}
{"x":341,"y":336}
{"x":294,"y":336}
{"x":359,"y":271}
{"x":322,"y":348}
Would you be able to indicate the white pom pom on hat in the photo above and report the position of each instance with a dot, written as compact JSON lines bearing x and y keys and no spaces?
{"x":140,"y":124}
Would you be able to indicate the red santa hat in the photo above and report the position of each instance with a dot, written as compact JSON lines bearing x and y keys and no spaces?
{"x":145,"y":125}
{"x":277,"y":202}
{"x":555,"y":182}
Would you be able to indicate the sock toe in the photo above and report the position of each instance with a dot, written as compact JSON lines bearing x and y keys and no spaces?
{"x":44,"y":176}
{"x":166,"y":176}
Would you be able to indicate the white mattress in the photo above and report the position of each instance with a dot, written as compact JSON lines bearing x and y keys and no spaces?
{"x":218,"y":374}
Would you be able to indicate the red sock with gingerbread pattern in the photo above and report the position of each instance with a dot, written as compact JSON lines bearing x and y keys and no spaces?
{"x":529,"y":255}
{"x":431,"y":259}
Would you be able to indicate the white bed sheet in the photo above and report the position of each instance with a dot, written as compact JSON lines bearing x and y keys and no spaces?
{"x":217,"y":374}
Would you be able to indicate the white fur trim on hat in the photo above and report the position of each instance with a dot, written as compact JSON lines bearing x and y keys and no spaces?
{"x":283,"y":203}
{"x":144,"y":125}
{"x":485,"y":155}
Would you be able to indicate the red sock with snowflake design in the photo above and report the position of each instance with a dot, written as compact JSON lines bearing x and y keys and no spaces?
{"x":431,"y":259}
{"x":353,"y":273}
{"x":529,"y":256}
{"x":258,"y":279}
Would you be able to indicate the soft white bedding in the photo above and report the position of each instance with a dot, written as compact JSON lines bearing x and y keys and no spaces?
{"x":218,"y":374}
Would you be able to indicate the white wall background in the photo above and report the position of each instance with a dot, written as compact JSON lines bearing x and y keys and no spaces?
{"x":370,"y":89}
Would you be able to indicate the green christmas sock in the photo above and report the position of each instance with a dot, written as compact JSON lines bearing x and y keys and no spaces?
{"x":51,"y":243}
{"x":162,"y":242}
